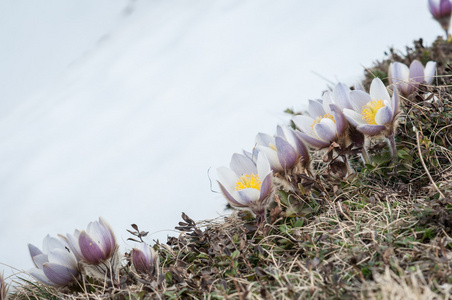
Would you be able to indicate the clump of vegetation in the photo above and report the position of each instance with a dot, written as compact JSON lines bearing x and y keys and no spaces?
{"x":380,"y":232}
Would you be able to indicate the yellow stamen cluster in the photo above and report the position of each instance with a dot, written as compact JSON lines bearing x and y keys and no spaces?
{"x":248,"y":181}
{"x":320,"y":118}
{"x":371,"y":109}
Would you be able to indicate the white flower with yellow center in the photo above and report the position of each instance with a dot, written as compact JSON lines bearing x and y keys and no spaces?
{"x":284,"y":150}
{"x":246,"y":185}
{"x":373,"y":113}
{"x":325,"y":123}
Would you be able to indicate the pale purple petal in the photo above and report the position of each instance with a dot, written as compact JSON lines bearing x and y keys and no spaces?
{"x":341,"y":96}
{"x":91,"y":251}
{"x":229,"y":197}
{"x":304,"y":123}
{"x":108,"y":235}
{"x":416,"y":73}
{"x":371,"y":129}
{"x":60,"y":275}
{"x":395,"y":101}
{"x":341,"y":121}
{"x":378,"y":90}
{"x":99,"y":235}
{"x":430,"y":71}
{"x":359,"y":99}
{"x":264,"y":139}
{"x":326,"y":130}
{"x":445,"y":8}
{"x":241,"y":164}
{"x":34,"y":250}
{"x":384,"y":115}
{"x":434,"y":8}
{"x":398,"y":72}
{"x":287,"y":154}
{"x":249,"y":154}
{"x":296,"y":141}
{"x":359,"y":86}
{"x":72,"y":240}
{"x":140,"y":261}
{"x":280,"y":131}
{"x":266,"y":187}
{"x":39,"y":275}
{"x":316,"y":109}
{"x":314,"y":142}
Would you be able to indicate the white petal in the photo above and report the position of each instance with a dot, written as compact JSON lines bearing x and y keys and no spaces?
{"x":353,"y":117}
{"x":272,"y":157}
{"x":227,"y":177}
{"x":378,"y":90}
{"x":398,"y":72}
{"x":264,"y":139}
{"x":50,"y":243}
{"x":304,"y":123}
{"x":358,"y":100}
{"x":263,"y":166}
{"x":39,"y":275}
{"x":341,"y":96}
{"x":327,"y":99}
{"x":316,"y":109}
{"x":63,"y":257}
{"x":430,"y":71}
{"x":247,"y":196}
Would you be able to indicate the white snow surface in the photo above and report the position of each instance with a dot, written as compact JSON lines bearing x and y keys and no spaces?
{"x":119,"y":108}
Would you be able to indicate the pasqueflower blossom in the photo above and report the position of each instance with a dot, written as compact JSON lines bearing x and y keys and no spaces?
{"x":95,"y":245}
{"x":325,"y":123}
{"x":55,"y":265}
{"x":408,"y":79}
{"x":246,"y":185}
{"x":283,"y":151}
{"x":441,"y":11}
{"x":375,"y":113}
{"x":144,"y":259}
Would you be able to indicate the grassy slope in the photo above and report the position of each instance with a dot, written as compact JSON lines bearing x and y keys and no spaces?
{"x":378,"y":233}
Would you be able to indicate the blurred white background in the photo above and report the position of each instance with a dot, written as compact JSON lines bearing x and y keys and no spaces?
{"x":118,"y":108}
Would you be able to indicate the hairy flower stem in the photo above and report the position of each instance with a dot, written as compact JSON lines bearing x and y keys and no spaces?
{"x":392,"y":146}
{"x":348,"y":165}
{"x":365,"y":156}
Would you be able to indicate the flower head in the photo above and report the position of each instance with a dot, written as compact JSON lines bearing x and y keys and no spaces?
{"x":144,"y":259}
{"x":373,"y":113}
{"x":95,"y":245}
{"x":283,"y":151}
{"x":325,"y":123}
{"x":441,"y":11}
{"x":55,"y":265}
{"x":246,"y":185}
{"x":408,"y":79}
